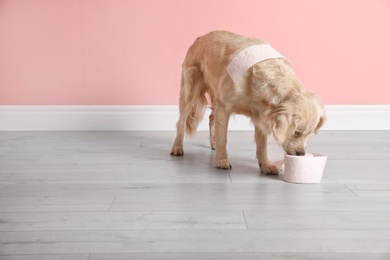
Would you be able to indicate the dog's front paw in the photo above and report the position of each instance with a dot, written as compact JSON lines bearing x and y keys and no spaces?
{"x":223,"y":164}
{"x":269,"y":169}
{"x":177,"y":151}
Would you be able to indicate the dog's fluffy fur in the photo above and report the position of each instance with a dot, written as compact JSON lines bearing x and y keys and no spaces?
{"x":269,"y":93}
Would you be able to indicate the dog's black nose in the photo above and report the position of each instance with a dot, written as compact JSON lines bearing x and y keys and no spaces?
{"x":300,"y":153}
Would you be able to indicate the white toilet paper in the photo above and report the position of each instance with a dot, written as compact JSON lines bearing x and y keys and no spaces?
{"x":304,"y":169}
{"x":248,"y":57}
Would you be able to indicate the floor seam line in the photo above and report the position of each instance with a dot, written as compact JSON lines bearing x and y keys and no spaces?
{"x":246,"y":223}
{"x":112,"y":203}
{"x":350,"y":190}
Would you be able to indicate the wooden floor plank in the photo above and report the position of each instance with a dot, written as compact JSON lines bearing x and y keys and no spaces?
{"x":121,"y":220}
{"x":240,"y":256}
{"x":192,"y":241}
{"x":46,"y":257}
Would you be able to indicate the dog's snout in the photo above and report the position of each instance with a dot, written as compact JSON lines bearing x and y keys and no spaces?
{"x":300,"y":153}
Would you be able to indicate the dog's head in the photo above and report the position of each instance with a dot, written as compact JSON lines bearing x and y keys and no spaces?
{"x":293,"y":120}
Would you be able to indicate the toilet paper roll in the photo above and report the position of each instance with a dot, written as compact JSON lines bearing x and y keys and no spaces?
{"x":304,"y":169}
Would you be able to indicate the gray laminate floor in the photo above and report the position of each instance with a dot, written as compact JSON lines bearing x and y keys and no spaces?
{"x":120,"y":195}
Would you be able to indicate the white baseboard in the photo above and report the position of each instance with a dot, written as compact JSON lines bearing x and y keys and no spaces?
{"x":163,"y":118}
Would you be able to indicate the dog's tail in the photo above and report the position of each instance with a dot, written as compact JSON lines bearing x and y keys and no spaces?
{"x":193,"y":100}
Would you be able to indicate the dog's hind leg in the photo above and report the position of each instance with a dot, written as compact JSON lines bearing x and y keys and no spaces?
{"x":212,"y":130}
{"x":191,"y":105}
{"x":177,"y":148}
{"x":212,"y":122}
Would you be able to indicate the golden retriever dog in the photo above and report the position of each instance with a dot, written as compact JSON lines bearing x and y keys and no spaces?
{"x":268,"y":92}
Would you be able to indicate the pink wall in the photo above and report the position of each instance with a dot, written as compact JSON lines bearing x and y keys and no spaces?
{"x":118,"y":52}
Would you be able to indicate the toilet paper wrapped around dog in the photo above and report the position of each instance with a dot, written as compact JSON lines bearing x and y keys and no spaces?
{"x":304,"y":169}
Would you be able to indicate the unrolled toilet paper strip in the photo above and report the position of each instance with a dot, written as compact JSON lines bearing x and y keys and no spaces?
{"x":249,"y":57}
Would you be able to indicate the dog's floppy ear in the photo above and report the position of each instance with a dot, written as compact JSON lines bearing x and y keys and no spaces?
{"x":283,"y":124}
{"x":280,"y":128}
{"x":320,"y":124}
{"x":320,"y":110}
